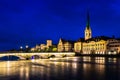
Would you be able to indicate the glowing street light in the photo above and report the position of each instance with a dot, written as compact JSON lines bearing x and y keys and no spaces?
{"x":26,"y":46}
{"x":21,"y":47}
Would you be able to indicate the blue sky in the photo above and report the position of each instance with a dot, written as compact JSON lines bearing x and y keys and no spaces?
{"x":31,"y":22}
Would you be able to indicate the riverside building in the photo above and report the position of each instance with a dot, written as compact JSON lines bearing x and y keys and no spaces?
{"x":65,"y":45}
{"x":96,"y":45}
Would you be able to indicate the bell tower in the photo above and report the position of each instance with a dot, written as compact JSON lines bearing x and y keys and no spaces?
{"x":88,"y":32}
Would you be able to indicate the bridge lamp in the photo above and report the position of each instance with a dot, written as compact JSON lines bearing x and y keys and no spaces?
{"x":26,"y":46}
{"x":21,"y":47}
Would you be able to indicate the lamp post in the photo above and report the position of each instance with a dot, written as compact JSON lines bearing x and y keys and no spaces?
{"x":27,"y":48}
{"x":21,"y":48}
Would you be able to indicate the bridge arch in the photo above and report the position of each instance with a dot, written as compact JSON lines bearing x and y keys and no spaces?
{"x":52,"y":56}
{"x":11,"y":57}
{"x":64,"y":55}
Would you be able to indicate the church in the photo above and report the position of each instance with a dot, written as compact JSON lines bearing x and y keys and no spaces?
{"x":89,"y":44}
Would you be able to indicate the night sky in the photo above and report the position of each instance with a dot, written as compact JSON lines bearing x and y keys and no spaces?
{"x":31,"y":22}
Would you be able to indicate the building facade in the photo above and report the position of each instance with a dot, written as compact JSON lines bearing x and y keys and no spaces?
{"x":42,"y":47}
{"x":114,"y":46}
{"x":49,"y":43}
{"x":78,"y":45}
{"x":96,"y":45}
{"x":65,"y":45}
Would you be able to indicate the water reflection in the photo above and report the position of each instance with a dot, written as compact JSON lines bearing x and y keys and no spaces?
{"x":100,"y":60}
{"x":74,"y":68}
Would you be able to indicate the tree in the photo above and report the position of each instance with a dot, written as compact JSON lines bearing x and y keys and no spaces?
{"x":54,"y":49}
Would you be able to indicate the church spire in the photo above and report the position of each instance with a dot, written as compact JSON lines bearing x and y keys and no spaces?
{"x":88,"y":20}
{"x":88,"y":32}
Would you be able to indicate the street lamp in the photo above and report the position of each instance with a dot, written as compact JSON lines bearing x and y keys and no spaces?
{"x":21,"y":48}
{"x":26,"y":46}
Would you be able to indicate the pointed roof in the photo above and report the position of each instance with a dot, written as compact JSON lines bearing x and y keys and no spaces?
{"x":69,"y":41}
{"x":88,"y":20}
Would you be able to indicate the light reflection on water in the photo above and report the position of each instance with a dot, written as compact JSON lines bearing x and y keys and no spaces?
{"x":73,"y":68}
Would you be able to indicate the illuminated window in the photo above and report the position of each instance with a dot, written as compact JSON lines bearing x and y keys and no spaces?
{"x":114,"y":52}
{"x":98,"y":52}
{"x":103,"y":52}
{"x":109,"y":52}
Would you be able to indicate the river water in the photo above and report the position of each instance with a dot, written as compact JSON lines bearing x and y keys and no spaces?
{"x":69,"y":68}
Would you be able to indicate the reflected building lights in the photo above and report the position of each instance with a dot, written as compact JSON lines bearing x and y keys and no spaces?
{"x":46,"y":68}
{"x":100,"y":60}
{"x":75,"y":59}
{"x":74,"y":65}
{"x":112,"y":60}
{"x":26,"y":73}
{"x":21,"y":72}
{"x":8,"y":67}
{"x":115,"y":60}
{"x":87,"y":59}
{"x":100,"y":69}
{"x":42,"y":71}
{"x":85,"y":66}
{"x":63,"y":64}
{"x":67,"y":64}
{"x":8,"y":63}
{"x":74,"y":70}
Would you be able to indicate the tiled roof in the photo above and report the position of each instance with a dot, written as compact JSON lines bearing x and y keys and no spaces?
{"x":98,"y":38}
{"x":80,"y":40}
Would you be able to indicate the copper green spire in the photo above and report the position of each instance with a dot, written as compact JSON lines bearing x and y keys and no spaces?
{"x":88,"y":20}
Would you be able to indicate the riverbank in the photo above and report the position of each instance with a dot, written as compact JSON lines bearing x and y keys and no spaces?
{"x":98,"y":55}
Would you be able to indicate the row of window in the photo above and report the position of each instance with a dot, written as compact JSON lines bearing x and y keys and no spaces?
{"x":94,"y":45}
{"x":114,"y":45}
{"x":97,"y":52}
{"x":100,"y":48}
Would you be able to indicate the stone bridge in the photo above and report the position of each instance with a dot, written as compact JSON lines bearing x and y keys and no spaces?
{"x":39,"y":55}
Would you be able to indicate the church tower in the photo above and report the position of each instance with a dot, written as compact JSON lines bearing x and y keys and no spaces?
{"x":88,"y":32}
